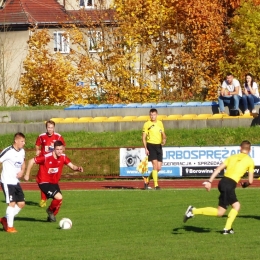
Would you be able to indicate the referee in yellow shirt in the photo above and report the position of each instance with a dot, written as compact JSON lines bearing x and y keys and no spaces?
{"x":153,"y":139}
{"x":236,"y":166}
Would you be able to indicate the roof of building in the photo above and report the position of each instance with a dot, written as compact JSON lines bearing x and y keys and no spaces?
{"x":47,"y":12}
{"x":32,"y":11}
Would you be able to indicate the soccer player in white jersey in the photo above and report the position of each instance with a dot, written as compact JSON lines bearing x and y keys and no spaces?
{"x":13,"y":160}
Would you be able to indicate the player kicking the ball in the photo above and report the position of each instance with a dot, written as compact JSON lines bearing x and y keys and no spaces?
{"x":49,"y":175}
{"x":236,"y":166}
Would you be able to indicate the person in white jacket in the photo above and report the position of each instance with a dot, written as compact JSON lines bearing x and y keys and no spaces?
{"x":250,"y":94}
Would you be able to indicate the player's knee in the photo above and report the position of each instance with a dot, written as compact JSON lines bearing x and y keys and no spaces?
{"x":236,"y":206}
{"x":58,"y":196}
{"x":21,"y":204}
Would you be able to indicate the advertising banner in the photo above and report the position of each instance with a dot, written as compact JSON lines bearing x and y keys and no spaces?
{"x":184,"y":161}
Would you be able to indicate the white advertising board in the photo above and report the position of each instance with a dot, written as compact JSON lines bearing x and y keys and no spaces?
{"x":184,"y":161}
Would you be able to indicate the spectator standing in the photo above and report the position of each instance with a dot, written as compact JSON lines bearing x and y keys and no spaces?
{"x":153,"y":139}
{"x":45,"y":144}
{"x":230,"y":93}
{"x":13,"y":160}
{"x":250,"y":94}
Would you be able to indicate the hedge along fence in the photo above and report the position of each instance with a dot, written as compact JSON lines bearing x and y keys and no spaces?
{"x":96,"y":162}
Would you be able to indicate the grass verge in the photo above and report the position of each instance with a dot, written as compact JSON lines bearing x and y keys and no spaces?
{"x":133,"y":224}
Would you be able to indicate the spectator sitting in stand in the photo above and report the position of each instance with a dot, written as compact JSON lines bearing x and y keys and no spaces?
{"x":250,"y":94}
{"x":230,"y":94}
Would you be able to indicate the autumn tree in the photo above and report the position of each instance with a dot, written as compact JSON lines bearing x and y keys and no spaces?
{"x":245,"y":47}
{"x":107,"y":57}
{"x":49,"y":78}
{"x":138,"y":51}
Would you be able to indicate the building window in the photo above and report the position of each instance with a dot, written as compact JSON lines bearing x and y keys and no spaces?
{"x":61,"y":43}
{"x":95,"y":39}
{"x":86,"y":3}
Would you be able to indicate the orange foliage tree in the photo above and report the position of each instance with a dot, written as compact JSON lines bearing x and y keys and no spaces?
{"x":49,"y":78}
{"x":108,"y":58}
{"x":151,"y":50}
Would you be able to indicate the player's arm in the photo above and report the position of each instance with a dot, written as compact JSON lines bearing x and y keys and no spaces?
{"x":163,"y":138}
{"x":37,"y":150}
{"x":28,"y":170}
{"x":20,"y":173}
{"x":250,"y":180}
{"x":207,"y":184}
{"x":75,"y":168}
{"x":145,"y":143}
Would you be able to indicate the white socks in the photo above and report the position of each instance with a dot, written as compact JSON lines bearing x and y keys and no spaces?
{"x":10,"y":213}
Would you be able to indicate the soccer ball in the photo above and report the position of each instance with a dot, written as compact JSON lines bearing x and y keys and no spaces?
{"x":65,"y":223}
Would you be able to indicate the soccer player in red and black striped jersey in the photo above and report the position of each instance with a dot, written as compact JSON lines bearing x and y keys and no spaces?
{"x":45,"y":144}
{"x":49,"y":175}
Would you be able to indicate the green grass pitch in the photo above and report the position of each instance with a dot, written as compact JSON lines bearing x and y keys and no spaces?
{"x":133,"y":224}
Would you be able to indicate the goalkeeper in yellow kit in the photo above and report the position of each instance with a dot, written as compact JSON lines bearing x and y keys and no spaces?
{"x":153,"y":139}
{"x":236,"y":166}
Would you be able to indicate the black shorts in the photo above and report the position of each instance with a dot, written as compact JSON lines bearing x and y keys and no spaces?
{"x":227,"y":195}
{"x":49,"y":189}
{"x":155,"y":152}
{"x":13,"y":192}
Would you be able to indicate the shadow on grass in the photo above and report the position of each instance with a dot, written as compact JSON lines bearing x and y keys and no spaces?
{"x":249,"y":216}
{"x":120,"y":187}
{"x":179,"y":231}
{"x":31,"y":219}
{"x":32,"y":203}
{"x":27,"y":203}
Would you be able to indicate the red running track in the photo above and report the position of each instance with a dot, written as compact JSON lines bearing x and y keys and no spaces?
{"x":127,"y":184}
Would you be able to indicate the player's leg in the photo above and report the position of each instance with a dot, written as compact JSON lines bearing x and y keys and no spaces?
{"x":233,"y":201}
{"x":56,"y":203}
{"x":12,"y":194}
{"x":159,"y":156}
{"x":157,"y":165}
{"x":155,"y":173}
{"x":207,"y":211}
{"x":52,"y":191}
{"x":151,"y":156}
{"x":43,"y":200}
{"x":231,"y":218}
{"x":19,"y":197}
{"x":49,"y":190}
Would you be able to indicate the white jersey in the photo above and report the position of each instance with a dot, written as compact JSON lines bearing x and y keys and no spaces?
{"x":231,"y":87}
{"x":12,"y":163}
{"x":254,"y":87}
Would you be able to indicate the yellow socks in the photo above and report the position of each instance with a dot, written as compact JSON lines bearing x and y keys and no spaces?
{"x":231,"y":217}
{"x":155,"y":177}
{"x":205,"y":211}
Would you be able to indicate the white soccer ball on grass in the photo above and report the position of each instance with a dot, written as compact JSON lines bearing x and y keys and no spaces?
{"x":65,"y":223}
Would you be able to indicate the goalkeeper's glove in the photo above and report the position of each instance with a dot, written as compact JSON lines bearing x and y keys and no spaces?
{"x":245,"y":184}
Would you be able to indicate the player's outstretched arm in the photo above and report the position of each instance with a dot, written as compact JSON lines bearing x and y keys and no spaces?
{"x":28,"y":170}
{"x":75,"y":168}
